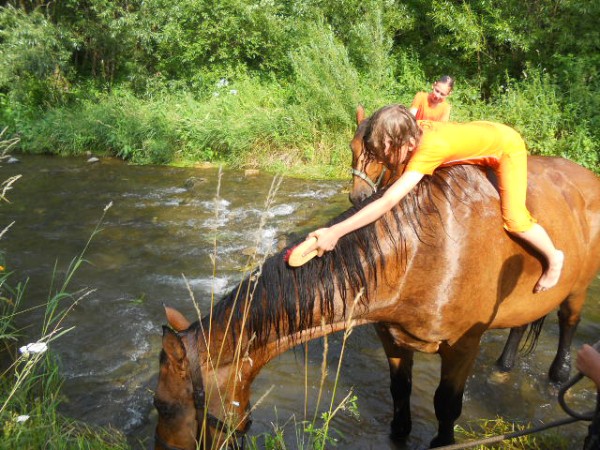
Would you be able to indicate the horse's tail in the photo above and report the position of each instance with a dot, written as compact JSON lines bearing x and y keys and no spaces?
{"x":533,"y":334}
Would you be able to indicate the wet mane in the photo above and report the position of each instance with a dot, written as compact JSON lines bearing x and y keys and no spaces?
{"x":283,"y":299}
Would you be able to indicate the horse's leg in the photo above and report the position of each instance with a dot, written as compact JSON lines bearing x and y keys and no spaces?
{"x":506,"y":362}
{"x":400,"y":361}
{"x":457,"y":362}
{"x":569,"y":315}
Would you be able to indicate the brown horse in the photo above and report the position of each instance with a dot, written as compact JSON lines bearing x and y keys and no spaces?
{"x":371,"y":176}
{"x":417,"y":273}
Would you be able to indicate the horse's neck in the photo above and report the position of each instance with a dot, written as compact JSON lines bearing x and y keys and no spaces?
{"x":245,"y":352}
{"x":259,"y":356}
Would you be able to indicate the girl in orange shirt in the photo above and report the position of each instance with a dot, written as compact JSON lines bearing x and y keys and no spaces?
{"x":433,"y":105}
{"x":394,"y":137}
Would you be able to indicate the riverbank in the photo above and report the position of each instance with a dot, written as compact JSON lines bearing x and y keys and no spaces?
{"x":249,"y":124}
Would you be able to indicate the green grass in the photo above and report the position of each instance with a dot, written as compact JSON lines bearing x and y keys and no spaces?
{"x":300,"y":128}
{"x":492,"y":428}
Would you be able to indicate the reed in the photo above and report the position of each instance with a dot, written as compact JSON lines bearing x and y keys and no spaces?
{"x":299,"y":127}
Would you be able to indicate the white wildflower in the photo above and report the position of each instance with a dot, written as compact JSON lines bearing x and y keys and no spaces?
{"x":233,"y":92}
{"x":33,"y":348}
{"x":222,"y":82}
{"x":23,"y":418}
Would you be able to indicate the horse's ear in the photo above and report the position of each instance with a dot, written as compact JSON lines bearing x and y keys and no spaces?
{"x":173,"y":347}
{"x":360,"y":114}
{"x":176,"y":320}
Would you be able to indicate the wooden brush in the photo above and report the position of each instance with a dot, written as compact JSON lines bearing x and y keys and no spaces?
{"x":294,"y":256}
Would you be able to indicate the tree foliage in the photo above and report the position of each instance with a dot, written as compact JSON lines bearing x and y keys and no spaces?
{"x":328,"y":55}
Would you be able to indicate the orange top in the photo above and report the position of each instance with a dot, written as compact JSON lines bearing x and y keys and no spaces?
{"x":449,"y":143}
{"x":427,"y":111}
{"x":484,"y":143}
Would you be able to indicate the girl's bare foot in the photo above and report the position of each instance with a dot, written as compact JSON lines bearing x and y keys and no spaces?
{"x":551,"y":275}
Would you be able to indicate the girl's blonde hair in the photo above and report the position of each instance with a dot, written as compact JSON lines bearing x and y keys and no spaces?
{"x":394,"y":124}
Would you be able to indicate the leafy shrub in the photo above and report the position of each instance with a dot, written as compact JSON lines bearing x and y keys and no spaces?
{"x":35,"y":68}
{"x":325,"y":85}
{"x":532,"y":107}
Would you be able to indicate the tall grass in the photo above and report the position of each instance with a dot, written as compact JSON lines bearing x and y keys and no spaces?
{"x":533,"y":108}
{"x":302,"y":124}
{"x":116,"y":124}
{"x":491,"y":428}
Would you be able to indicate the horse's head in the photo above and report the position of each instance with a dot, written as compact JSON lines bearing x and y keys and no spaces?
{"x":192,"y":394}
{"x":368,"y":175}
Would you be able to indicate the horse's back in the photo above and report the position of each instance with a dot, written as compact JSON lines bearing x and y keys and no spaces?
{"x":564,"y":197}
{"x":473,"y":271}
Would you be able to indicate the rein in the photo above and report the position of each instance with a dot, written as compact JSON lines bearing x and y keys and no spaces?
{"x":373,"y":184}
{"x":202,"y":413}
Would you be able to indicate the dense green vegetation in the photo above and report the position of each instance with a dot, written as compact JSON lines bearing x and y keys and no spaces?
{"x":274,"y":83}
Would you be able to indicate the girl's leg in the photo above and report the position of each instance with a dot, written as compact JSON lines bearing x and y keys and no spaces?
{"x":512,"y":182}
{"x":537,"y":237}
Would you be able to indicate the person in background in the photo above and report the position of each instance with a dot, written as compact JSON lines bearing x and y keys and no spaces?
{"x":433,"y":105}
{"x":588,"y":363}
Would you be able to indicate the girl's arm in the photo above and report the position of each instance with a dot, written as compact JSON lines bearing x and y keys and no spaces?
{"x":446,"y":116}
{"x":327,"y":237}
{"x":414,"y":106}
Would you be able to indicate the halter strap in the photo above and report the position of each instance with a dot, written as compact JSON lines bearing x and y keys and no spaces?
{"x":362,"y":175}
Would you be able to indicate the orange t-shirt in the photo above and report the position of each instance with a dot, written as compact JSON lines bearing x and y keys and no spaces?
{"x":449,"y":143}
{"x":426,"y":111}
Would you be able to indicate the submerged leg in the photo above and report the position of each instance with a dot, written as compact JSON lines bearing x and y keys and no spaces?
{"x":457,"y":362}
{"x":400,"y":362}
{"x":506,"y":362}
{"x":569,"y":315}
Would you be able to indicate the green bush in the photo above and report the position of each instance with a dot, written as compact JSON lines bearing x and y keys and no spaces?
{"x":117,"y":124}
{"x":531,"y":106}
{"x":35,"y":67}
{"x":326,"y":85}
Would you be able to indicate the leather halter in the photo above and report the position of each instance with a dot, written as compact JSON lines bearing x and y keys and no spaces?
{"x":373,"y":184}
{"x":202,"y":413}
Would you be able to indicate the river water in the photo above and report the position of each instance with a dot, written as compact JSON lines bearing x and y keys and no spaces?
{"x":173,"y":233}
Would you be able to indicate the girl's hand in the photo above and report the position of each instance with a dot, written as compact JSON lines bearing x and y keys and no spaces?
{"x":326,"y":240}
